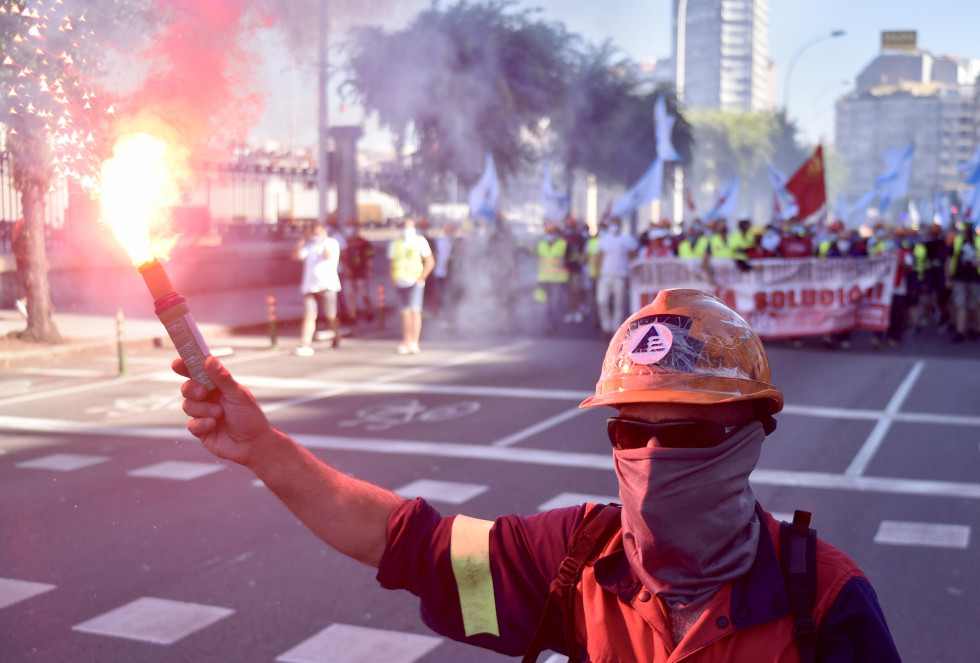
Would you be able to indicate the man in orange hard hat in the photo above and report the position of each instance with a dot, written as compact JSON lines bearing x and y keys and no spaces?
{"x":689,"y":567}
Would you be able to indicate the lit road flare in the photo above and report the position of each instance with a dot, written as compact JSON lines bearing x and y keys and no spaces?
{"x":139,"y":186}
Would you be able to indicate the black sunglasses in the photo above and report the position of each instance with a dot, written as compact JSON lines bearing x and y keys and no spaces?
{"x":632,"y":434}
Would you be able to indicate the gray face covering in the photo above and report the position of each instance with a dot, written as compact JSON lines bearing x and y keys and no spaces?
{"x":689,"y":522}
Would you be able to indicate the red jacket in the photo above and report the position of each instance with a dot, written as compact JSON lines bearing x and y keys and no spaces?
{"x":486,"y":584}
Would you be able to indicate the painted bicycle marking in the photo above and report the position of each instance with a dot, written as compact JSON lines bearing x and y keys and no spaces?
{"x":397,"y":413}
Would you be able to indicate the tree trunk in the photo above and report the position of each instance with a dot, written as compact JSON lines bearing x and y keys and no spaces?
{"x":34,"y":270}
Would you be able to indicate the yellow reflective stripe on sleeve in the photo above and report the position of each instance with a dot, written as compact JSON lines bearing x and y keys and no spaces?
{"x":470,"y":552}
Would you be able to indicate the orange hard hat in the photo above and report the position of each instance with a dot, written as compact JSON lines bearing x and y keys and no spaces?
{"x":685,"y":347}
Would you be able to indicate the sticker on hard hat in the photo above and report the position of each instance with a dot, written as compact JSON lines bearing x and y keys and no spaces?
{"x":664,"y":340}
{"x":650,"y":343}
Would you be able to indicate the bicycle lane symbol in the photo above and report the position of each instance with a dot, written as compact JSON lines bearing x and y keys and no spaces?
{"x":396,"y":413}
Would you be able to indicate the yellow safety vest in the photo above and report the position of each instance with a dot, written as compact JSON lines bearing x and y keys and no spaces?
{"x":551,"y":262}
{"x":685,"y":250}
{"x":406,"y":260}
{"x":957,"y":248}
{"x":592,"y":248}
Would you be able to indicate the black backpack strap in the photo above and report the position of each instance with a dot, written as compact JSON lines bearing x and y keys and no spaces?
{"x":587,"y":541}
{"x":798,"y":560}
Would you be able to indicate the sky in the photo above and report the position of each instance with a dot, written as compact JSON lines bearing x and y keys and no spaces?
{"x":824,"y":67}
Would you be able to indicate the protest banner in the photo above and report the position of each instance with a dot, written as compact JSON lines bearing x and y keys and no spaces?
{"x":781,"y":298}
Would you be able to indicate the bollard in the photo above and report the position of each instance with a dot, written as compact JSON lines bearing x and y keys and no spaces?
{"x":120,"y":342}
{"x":381,"y":306}
{"x":273,"y":333}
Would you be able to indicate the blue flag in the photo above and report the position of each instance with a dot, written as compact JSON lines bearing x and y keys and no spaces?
{"x":894,"y":182}
{"x":971,"y":168}
{"x":483,"y":196}
{"x":644,"y":192}
{"x":785,"y":200}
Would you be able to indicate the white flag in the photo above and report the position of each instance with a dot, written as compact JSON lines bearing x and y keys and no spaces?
{"x":556,"y":205}
{"x":645,"y":191}
{"x":726,"y":204}
{"x":663,"y":126}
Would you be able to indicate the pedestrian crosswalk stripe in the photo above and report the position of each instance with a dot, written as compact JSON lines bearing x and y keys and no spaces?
{"x":148,"y":619}
{"x":177,"y":470}
{"x":344,"y":643}
{"x":14,"y":591}
{"x":63,"y":462}
{"x":450,"y":492}
{"x":932,"y":535}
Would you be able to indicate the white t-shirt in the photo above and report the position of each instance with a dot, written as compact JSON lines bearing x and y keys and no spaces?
{"x":615,"y":250}
{"x":319,"y":270}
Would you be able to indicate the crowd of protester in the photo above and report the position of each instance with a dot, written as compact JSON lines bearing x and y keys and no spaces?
{"x":486,"y":279}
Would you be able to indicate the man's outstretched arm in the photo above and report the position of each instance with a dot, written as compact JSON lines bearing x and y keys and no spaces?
{"x":349,"y":514}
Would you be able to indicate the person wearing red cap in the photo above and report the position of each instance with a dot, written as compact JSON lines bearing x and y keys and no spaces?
{"x":688,"y":568}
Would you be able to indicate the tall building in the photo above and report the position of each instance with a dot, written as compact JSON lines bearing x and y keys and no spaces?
{"x":726,"y":57}
{"x":908,"y":95}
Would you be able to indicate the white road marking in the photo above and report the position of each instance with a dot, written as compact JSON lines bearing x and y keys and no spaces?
{"x":530,"y":431}
{"x":345,"y":643}
{"x":160,"y":621}
{"x":933,"y":535}
{"x":63,"y":372}
{"x":450,"y":492}
{"x":870,"y":447}
{"x":176,"y":470}
{"x":63,"y":462}
{"x":14,"y":591}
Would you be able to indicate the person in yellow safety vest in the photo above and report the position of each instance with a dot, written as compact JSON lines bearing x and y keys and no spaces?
{"x":830,"y":239}
{"x":591,"y":272}
{"x":964,"y":275}
{"x":695,"y":243}
{"x":411,"y":262}
{"x":718,"y":245}
{"x":930,"y":255}
{"x":742,"y":239}
{"x":552,"y":274}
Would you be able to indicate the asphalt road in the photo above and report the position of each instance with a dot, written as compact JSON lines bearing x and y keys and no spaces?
{"x":122,"y":540}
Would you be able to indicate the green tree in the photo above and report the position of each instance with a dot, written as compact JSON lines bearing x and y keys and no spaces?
{"x":731,"y":143}
{"x":460,"y":82}
{"x":51,"y":116}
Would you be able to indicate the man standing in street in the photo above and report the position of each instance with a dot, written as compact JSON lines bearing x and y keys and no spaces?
{"x":964,"y":280}
{"x":411,"y":261}
{"x":320,"y":284}
{"x":690,"y":567}
{"x":552,"y":275}
{"x":615,"y":252}
{"x":359,"y":260}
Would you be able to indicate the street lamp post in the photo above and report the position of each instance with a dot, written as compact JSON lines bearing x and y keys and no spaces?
{"x":323,"y":80}
{"x":796,"y":57}
{"x":680,"y":63}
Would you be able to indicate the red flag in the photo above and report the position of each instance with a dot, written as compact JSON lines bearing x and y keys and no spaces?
{"x":807,"y":185}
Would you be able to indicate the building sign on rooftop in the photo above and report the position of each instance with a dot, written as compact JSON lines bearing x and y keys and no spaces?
{"x":898,"y":40}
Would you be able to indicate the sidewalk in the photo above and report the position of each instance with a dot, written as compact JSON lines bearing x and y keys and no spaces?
{"x":91,"y":326}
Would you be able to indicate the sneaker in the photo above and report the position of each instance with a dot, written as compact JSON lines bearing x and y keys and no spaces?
{"x":403,"y":349}
{"x":414,"y":348}
{"x":845,"y":345}
{"x":303,"y":351}
{"x":336,"y":343}
{"x":875,"y":343}
{"x":828,"y":341}
{"x":323,"y":334}
{"x":21,"y":306}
